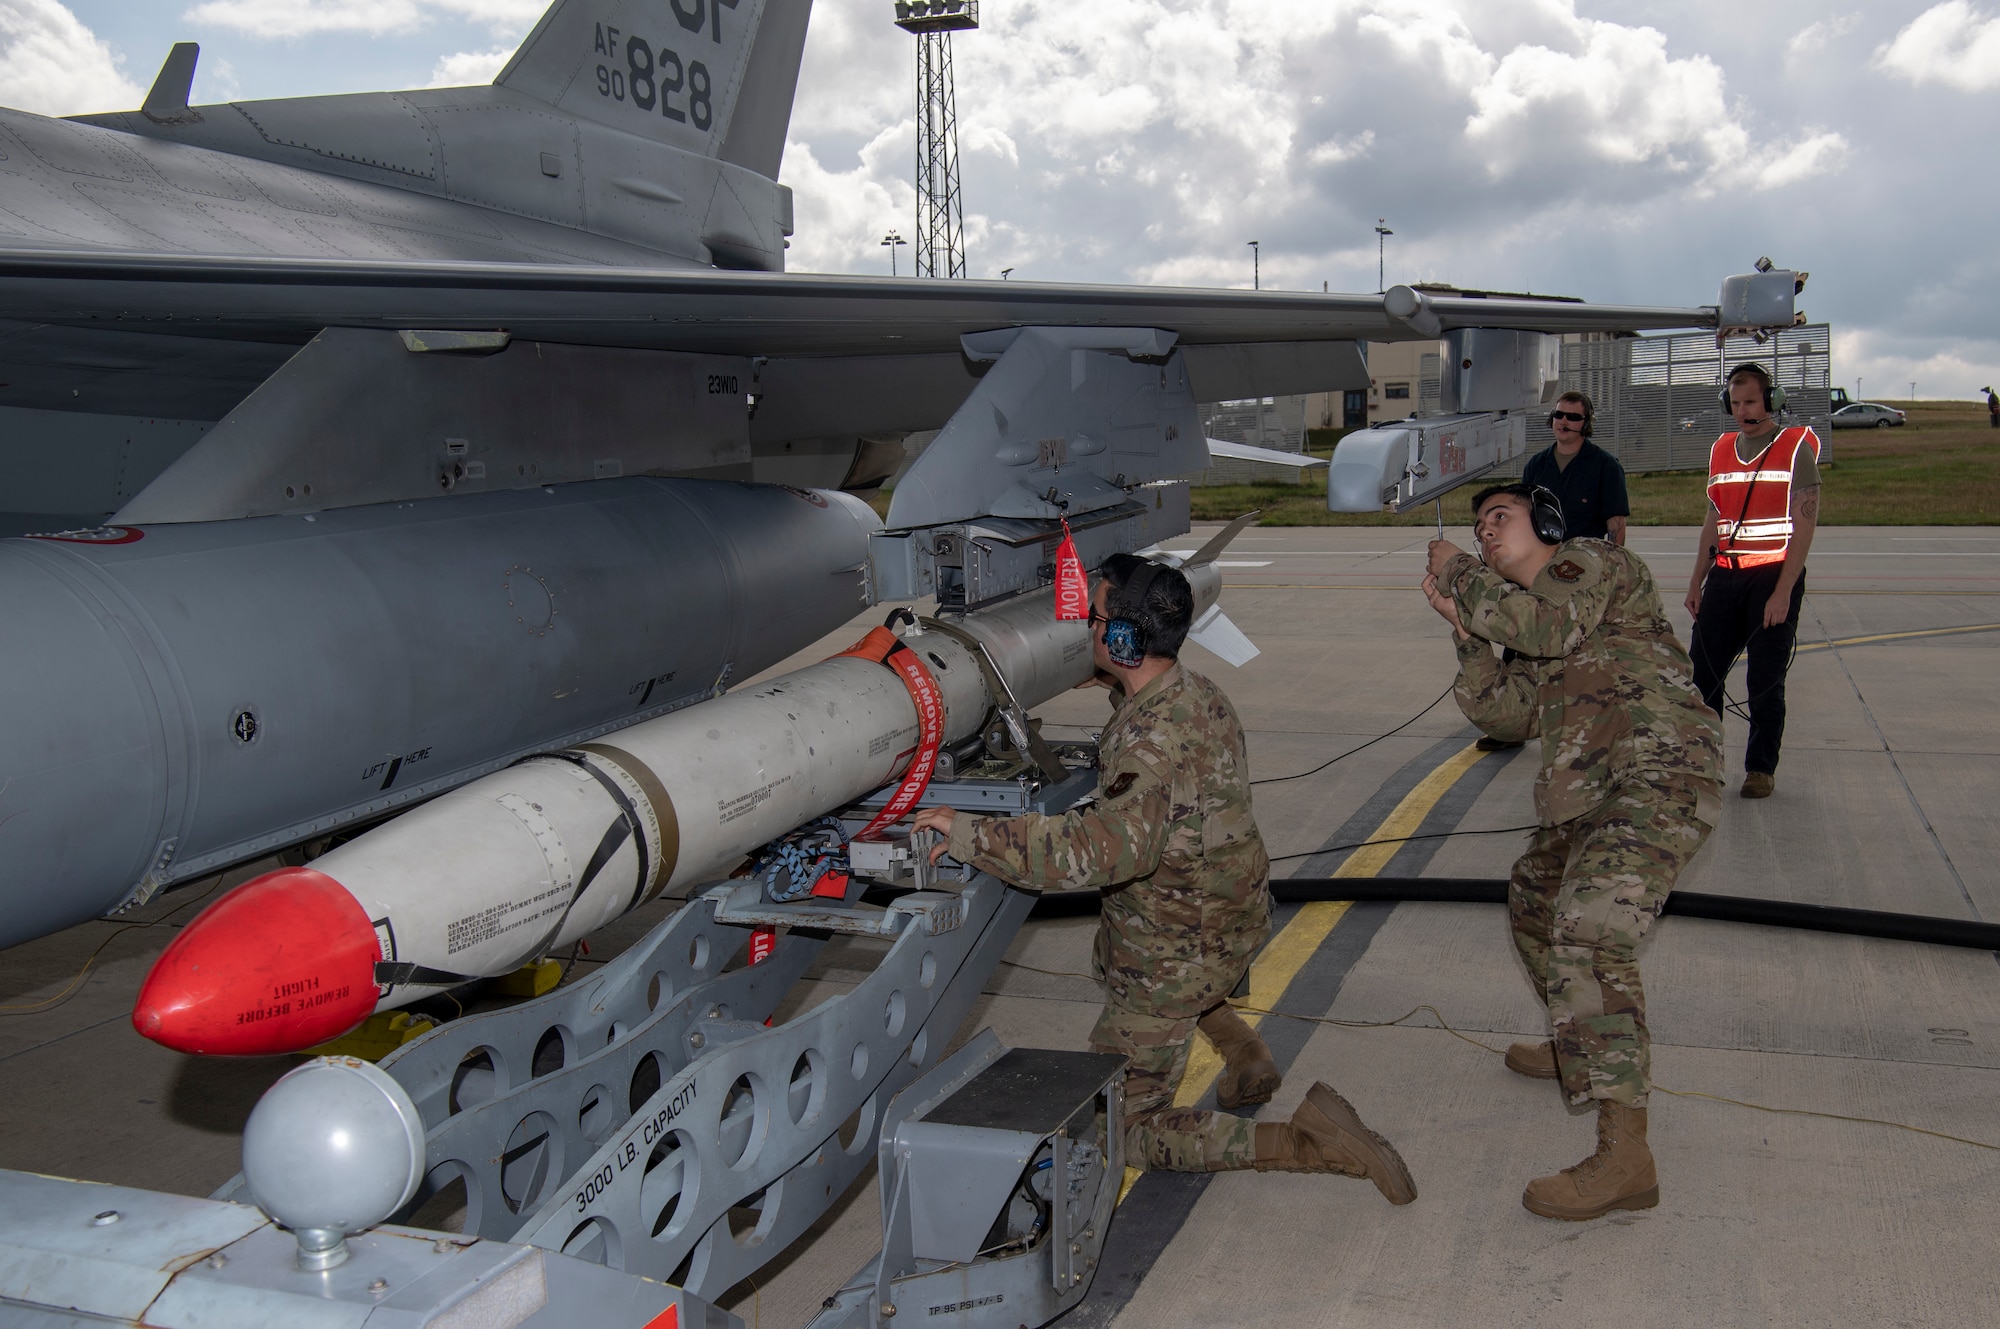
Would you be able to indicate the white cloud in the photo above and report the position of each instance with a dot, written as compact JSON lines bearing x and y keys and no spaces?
{"x":1776,"y":165}
{"x":1336,"y":150}
{"x":990,"y":139}
{"x":507,"y":16}
{"x":1617,"y":93}
{"x":1950,"y":43}
{"x":1618,"y":97}
{"x":51,"y":63}
{"x":841,"y":214}
{"x":297,"y":18}
{"x":466,"y":68}
{"x":215,"y":80}
{"x":1812,"y":41}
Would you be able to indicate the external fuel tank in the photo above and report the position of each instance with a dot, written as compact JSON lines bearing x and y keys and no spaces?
{"x":177,"y":698}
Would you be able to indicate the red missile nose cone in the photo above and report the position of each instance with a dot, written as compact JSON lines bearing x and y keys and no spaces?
{"x":277,"y":965}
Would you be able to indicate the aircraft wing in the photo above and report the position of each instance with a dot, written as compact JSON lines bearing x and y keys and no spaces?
{"x":717,"y":312}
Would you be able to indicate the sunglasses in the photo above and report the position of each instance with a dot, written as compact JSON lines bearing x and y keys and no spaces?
{"x":1574,"y":416}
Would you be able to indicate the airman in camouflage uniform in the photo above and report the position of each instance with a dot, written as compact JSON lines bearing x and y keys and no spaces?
{"x":1171,"y":842}
{"x":1627,"y":792}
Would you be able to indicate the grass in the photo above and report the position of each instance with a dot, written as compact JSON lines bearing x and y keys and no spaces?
{"x":1940,"y":469}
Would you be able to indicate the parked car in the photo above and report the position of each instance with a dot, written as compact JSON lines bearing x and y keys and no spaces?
{"x":1867,"y":415}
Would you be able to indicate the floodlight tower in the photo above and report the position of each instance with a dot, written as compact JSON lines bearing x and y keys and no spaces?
{"x":940,"y":210}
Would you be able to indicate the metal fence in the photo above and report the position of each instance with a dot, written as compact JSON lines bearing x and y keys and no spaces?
{"x":1658,"y":399}
{"x":1277,"y":423}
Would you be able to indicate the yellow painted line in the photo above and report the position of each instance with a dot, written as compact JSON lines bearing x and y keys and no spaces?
{"x":1285,"y":954}
{"x":1897,"y":636}
{"x":1409,"y":814}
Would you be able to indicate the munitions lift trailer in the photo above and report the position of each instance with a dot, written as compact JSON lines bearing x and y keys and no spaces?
{"x":639,"y":1141}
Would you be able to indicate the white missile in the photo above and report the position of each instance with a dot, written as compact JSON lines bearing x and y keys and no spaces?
{"x":530,"y":859}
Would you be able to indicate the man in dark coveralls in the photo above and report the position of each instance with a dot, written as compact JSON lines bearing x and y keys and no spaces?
{"x":1587,"y":480}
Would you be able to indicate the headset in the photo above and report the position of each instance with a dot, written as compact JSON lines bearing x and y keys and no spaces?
{"x":1124,"y":639}
{"x":1589,"y":412}
{"x":1774,"y":396}
{"x":1545,"y":512}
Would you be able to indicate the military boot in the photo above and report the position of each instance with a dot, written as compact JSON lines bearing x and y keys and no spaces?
{"x":1619,"y":1175}
{"x":1249,"y":1075}
{"x":1537,"y":1061}
{"x":1326,"y":1135}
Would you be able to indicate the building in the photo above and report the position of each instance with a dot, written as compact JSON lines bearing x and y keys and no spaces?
{"x":1337,"y":410}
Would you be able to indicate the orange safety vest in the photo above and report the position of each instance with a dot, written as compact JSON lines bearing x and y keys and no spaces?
{"x":1753,"y":500}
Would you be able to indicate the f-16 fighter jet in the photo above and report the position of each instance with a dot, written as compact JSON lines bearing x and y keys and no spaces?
{"x":360,"y":446}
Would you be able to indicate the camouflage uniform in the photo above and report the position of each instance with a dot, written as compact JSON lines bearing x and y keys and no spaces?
{"x":1187,"y":902}
{"x":1628,"y":790}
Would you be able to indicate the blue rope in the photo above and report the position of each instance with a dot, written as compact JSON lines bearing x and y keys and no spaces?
{"x":791,"y":867}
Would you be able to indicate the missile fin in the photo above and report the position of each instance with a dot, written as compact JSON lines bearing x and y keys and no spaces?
{"x":1223,"y":448}
{"x":1222,"y":539}
{"x":1215,"y":632}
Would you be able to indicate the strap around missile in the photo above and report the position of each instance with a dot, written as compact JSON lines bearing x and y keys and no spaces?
{"x":664,"y":814}
{"x":884,"y":647}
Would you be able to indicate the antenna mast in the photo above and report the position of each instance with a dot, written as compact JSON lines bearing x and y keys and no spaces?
{"x":940,"y":209}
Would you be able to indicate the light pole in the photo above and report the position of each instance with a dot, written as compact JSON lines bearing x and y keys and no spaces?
{"x":1913,"y":390}
{"x":1382,"y":234}
{"x":1004,"y":272}
{"x":1256,"y":276}
{"x":892,"y":240}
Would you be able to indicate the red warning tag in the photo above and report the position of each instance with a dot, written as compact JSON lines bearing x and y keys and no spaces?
{"x":885,"y":647}
{"x":832,"y":886}
{"x":1072,"y":587}
{"x":762,"y":942}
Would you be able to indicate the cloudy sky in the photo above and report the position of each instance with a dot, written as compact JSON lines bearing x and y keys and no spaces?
{"x":1621,"y":150}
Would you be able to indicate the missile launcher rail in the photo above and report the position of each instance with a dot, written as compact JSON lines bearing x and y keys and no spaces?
{"x":645,"y":1117}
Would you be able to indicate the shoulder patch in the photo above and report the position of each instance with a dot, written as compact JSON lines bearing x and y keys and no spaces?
{"x":1566,"y":571}
{"x":1121,"y":784}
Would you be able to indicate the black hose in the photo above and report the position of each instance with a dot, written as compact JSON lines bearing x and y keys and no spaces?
{"x":1828,"y":918}
{"x":1682,"y":904}
{"x":1428,"y":890}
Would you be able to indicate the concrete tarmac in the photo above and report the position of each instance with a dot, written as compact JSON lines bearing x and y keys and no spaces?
{"x":1768,"y":1216}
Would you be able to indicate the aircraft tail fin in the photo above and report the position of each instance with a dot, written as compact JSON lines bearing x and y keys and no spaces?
{"x":715,"y":77}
